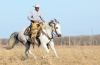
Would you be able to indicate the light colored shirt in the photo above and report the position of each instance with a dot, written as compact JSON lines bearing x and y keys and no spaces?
{"x":35,"y":15}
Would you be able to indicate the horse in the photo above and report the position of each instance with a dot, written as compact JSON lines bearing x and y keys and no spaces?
{"x":46,"y":37}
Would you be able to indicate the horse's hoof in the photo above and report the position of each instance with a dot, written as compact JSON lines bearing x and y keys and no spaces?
{"x":43,"y":57}
{"x":27,"y":58}
{"x":34,"y":58}
{"x":58,"y":59}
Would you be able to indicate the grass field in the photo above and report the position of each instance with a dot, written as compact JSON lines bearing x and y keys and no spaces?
{"x":74,"y":55}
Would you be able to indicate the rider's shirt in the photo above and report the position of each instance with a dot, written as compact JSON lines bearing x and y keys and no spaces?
{"x":35,"y":15}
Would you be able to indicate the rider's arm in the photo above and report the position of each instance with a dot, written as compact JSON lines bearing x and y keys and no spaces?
{"x":42,"y":18}
{"x":43,"y":21}
{"x":30,"y":16}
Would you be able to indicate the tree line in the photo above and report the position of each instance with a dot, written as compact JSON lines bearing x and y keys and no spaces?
{"x":82,"y":40}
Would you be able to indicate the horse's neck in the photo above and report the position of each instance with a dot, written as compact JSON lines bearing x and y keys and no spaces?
{"x":48,"y":30}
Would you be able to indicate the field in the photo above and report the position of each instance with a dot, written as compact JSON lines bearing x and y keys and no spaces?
{"x":74,"y":55}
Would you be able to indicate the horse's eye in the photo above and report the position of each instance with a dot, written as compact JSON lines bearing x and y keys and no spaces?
{"x":56,"y":27}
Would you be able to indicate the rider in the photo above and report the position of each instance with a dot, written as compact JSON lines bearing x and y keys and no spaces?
{"x":35,"y":16}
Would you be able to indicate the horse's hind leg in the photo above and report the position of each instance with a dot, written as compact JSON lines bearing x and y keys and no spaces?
{"x":27,"y":49}
{"x":32,"y":54}
{"x":47,"y":50}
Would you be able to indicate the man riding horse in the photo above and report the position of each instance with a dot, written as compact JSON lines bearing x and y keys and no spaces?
{"x":35,"y":26}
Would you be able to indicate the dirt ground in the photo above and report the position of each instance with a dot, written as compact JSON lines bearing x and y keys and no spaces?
{"x":74,"y":55}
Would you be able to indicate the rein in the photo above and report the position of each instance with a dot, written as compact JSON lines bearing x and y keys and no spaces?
{"x":55,"y":28}
{"x":47,"y":35}
{"x":52,"y":33}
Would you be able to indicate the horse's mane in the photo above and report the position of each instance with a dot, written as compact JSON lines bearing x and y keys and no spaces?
{"x":47,"y":26}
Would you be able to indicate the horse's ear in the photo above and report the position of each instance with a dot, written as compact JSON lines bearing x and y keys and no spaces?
{"x":51,"y":22}
{"x":58,"y":22}
{"x":55,"y":20}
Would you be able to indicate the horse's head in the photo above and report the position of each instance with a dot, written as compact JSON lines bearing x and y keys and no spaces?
{"x":56,"y":27}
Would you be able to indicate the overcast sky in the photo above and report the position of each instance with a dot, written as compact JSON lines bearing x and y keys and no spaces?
{"x":76,"y":16}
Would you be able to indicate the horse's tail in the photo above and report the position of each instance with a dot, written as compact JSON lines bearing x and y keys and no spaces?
{"x":13,"y":40}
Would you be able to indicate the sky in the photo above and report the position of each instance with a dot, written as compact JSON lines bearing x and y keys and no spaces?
{"x":77,"y":17}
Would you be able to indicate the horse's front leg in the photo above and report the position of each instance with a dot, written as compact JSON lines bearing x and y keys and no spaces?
{"x":53,"y":49}
{"x":47,"y":50}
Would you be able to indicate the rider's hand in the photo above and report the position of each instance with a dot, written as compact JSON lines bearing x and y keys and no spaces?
{"x":43,"y":21}
{"x":34,"y":20}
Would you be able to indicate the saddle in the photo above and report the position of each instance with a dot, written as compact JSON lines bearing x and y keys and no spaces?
{"x":28,"y":30}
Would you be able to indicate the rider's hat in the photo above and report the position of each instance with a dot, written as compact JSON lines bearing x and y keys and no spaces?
{"x":37,"y":5}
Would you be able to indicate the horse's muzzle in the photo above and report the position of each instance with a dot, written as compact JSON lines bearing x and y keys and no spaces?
{"x":59,"y":35}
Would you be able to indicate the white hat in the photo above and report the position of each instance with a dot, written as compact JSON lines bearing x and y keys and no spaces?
{"x":37,"y":5}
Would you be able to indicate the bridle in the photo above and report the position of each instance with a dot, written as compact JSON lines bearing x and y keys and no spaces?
{"x":55,"y":28}
{"x":47,"y":35}
{"x":52,"y":32}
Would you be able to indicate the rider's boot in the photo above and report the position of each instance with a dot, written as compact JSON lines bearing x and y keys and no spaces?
{"x":39,"y":43}
{"x":34,"y":41}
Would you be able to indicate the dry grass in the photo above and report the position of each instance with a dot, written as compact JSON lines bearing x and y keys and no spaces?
{"x":68,"y":56}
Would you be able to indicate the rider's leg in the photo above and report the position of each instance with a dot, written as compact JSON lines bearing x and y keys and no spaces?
{"x":33,"y":38}
{"x":33,"y":33}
